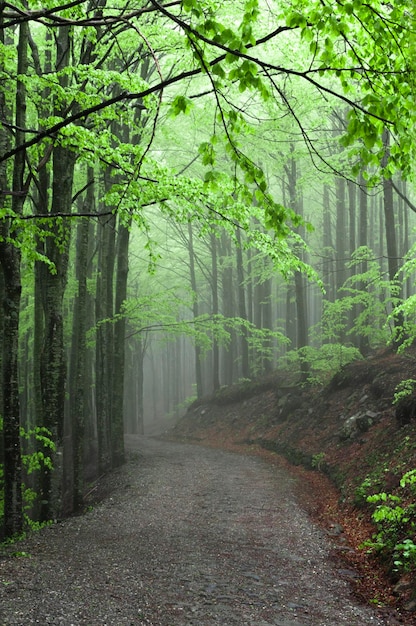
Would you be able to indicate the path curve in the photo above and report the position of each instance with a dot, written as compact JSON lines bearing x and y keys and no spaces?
{"x":194,"y":536}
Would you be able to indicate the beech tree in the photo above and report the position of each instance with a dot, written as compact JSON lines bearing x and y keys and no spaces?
{"x":74,"y":101}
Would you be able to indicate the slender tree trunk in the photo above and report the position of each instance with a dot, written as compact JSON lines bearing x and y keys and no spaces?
{"x":363,"y":241}
{"x":215,"y":311}
{"x":391,"y":240}
{"x":267,"y":323}
{"x":104,"y":338}
{"x":10,"y":259}
{"x":302,"y":338}
{"x":352,"y":209}
{"x":341,"y":232}
{"x":53,"y":362}
{"x":139,"y":352}
{"x":228,"y":307}
{"x":117,"y":439}
{"x":77,"y":380}
{"x":195,"y":308}
{"x":328,"y":264}
{"x":245,"y":366}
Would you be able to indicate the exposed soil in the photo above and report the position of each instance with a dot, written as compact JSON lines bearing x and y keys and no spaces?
{"x":190,"y":535}
{"x":334,"y":439}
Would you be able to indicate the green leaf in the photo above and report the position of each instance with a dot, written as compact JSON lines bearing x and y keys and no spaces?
{"x":180,"y":104}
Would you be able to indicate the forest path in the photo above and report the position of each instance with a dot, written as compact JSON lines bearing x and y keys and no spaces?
{"x":192,"y":536}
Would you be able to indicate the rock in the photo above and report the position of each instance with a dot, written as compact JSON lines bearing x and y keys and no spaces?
{"x":335,"y":530}
{"x":410,"y":606}
{"x":401,"y":587}
{"x":349,"y":574}
{"x":358,"y":424}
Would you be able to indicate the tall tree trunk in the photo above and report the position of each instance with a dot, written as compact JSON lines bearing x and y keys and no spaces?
{"x":391,"y":240}
{"x":104,"y":338}
{"x":139,"y":353}
{"x":10,"y":259}
{"x":215,"y":311}
{"x":341,"y":232}
{"x":352,"y":209}
{"x":117,"y":430}
{"x":267,"y":323}
{"x":77,"y":378}
{"x":363,"y":241}
{"x":242,"y":312}
{"x":328,"y":263}
{"x":195,"y":308}
{"x":302,"y":338}
{"x":53,"y":361}
{"x":228,"y":307}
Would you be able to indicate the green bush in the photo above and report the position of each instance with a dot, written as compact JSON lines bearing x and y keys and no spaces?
{"x":395,"y":519}
{"x":41,"y":446}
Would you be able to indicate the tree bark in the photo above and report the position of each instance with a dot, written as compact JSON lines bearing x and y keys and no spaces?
{"x":302,"y":335}
{"x":117,"y":430}
{"x":10,"y":259}
{"x":341,"y":232}
{"x":77,"y":378}
{"x":228,"y":308}
{"x":242,"y":312}
{"x":391,"y":240}
{"x":215,"y":311}
{"x":195,"y":309}
{"x":104,"y":338}
{"x":328,"y":247}
{"x":53,"y":360}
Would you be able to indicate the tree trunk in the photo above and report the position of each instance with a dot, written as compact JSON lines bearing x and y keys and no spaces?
{"x":228,"y":308}
{"x":53,"y":360}
{"x":245,"y":366}
{"x":10,"y":259}
{"x":104,"y":338}
{"x":215,"y":311}
{"x":302,"y":338}
{"x":328,"y":263}
{"x":363,"y":342}
{"x":341,"y":232}
{"x":77,"y":379}
{"x":117,"y":430}
{"x":195,"y":308}
{"x":391,"y":240}
{"x":267,"y":323}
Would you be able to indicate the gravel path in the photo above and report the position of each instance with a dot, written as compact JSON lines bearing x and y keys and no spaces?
{"x":193,"y":536}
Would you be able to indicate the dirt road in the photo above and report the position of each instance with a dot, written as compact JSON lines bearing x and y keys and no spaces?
{"x":193,"y":536}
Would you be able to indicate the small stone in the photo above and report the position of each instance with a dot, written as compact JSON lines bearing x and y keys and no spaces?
{"x":410,"y":606}
{"x":401,"y":587}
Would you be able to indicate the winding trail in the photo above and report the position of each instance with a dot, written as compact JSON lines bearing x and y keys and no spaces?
{"x":193,"y":536}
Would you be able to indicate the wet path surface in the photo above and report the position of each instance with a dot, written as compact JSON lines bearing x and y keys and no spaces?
{"x":194,"y":536}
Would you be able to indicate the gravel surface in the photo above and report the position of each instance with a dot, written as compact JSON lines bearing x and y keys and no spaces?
{"x":192,"y":536}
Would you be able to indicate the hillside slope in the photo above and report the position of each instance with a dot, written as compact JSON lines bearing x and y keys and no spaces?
{"x":346,"y":441}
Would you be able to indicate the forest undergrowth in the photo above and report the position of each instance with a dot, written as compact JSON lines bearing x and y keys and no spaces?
{"x":352,"y":444}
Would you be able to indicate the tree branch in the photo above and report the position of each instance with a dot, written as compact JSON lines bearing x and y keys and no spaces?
{"x":403,"y":197}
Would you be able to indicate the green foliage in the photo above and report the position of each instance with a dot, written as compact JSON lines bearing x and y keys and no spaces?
{"x":373,"y":66}
{"x":395,"y":520}
{"x":362,"y":490}
{"x":38,"y":459}
{"x":318,"y":460}
{"x":180,"y":105}
{"x":321,"y":363}
{"x":41,"y":445}
{"x":403,"y":390}
{"x":367,"y":294}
